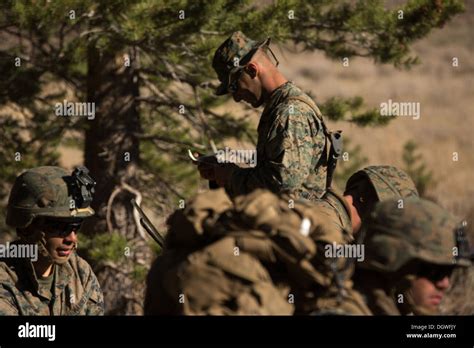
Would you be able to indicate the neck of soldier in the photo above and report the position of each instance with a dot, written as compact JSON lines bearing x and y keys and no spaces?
{"x":355,"y":217}
{"x":271,"y":81}
{"x":43,"y":267}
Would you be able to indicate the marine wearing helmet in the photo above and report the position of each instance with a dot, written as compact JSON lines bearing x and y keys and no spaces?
{"x":412,"y":246}
{"x":47,"y":206}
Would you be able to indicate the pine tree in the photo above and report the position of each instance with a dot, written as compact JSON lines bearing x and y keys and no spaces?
{"x":417,"y":169}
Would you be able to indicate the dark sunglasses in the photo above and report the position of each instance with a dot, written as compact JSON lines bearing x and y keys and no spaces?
{"x":435,"y":273}
{"x":233,"y":85}
{"x":62,"y":227}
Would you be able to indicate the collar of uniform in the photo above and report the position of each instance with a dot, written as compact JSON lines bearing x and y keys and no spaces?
{"x":31,"y":273}
{"x":336,"y":199}
{"x":276,"y":96}
{"x":273,"y":100}
{"x":61,"y":274}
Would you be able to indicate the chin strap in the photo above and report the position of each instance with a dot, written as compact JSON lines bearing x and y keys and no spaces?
{"x":43,"y":250}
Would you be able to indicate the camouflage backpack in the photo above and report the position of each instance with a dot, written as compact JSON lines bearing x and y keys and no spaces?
{"x":280,"y":234}
{"x":261,"y":223}
{"x":213,"y":280}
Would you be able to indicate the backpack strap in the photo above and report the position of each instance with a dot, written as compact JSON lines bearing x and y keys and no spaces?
{"x":335,"y":139}
{"x":313,"y":107}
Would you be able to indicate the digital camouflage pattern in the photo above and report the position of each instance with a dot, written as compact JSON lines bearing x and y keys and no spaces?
{"x":388,"y":182}
{"x":291,"y":146}
{"x":335,"y":226}
{"x":291,"y":149}
{"x":76,"y":289}
{"x":417,"y":230}
{"x":397,"y":240}
{"x":234,"y":52}
{"x":42,"y":191}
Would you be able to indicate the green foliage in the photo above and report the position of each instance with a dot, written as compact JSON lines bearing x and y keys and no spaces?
{"x":366,"y":28}
{"x":139,"y":273}
{"x":338,"y":109}
{"x":416,"y":168}
{"x":102,"y":247}
{"x":351,"y":161}
{"x":157,"y":250}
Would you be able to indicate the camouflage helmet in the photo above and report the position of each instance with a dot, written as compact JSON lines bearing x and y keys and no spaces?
{"x":50,"y":192}
{"x":388,"y":181}
{"x":232,"y":55}
{"x":418,"y":231}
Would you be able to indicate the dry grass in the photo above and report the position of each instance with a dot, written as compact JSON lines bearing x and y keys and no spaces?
{"x":445,"y":93}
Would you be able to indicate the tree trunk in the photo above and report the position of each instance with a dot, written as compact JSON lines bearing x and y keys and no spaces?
{"x":112,"y":155}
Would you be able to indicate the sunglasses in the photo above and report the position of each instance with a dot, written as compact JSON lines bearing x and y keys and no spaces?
{"x":62,"y":227}
{"x":435,"y":273}
{"x":233,"y":85}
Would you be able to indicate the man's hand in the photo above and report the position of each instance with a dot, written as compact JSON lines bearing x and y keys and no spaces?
{"x":223,"y":173}
{"x":210,"y":169}
{"x":206,"y":165}
{"x":206,"y":171}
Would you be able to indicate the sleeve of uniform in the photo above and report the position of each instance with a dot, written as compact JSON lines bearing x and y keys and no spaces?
{"x":294,"y":144}
{"x":95,"y":305}
{"x":7,"y":307}
{"x":7,"y":301}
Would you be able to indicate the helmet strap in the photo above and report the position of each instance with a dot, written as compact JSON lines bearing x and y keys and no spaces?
{"x":43,"y":250}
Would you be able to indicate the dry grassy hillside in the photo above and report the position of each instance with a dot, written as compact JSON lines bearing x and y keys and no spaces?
{"x":445,"y":94}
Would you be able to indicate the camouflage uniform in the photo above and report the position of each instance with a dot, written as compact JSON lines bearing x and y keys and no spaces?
{"x":398,"y":240}
{"x":76,"y":290}
{"x":292,"y":144}
{"x":72,"y":289}
{"x":334,"y":225}
{"x":459,"y":299}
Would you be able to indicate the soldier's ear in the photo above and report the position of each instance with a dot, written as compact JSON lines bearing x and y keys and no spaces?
{"x":252,"y":69}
